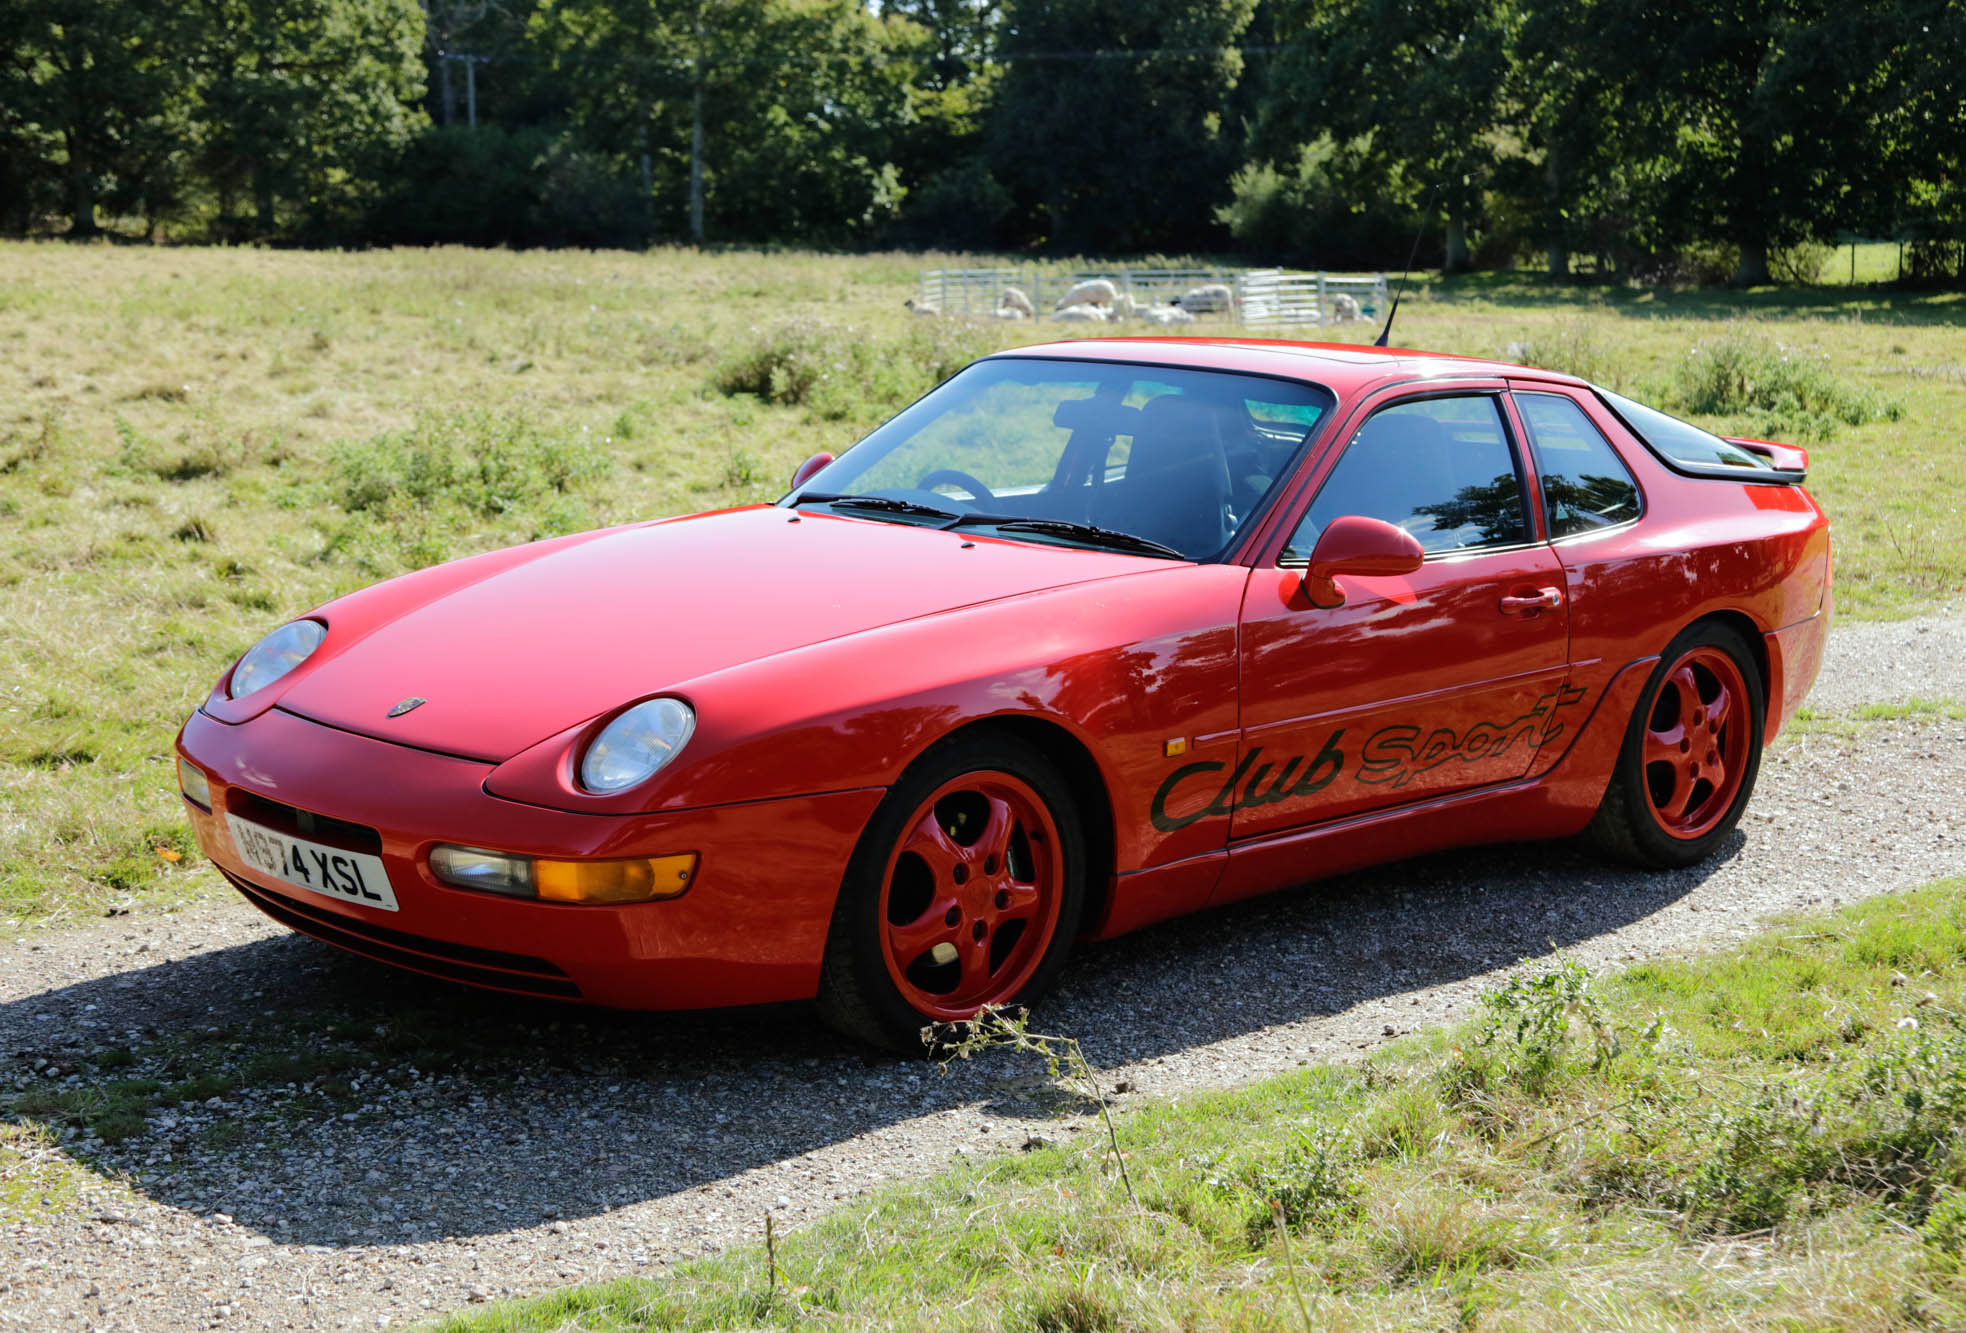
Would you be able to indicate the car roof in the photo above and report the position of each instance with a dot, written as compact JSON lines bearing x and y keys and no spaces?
{"x":1346,"y":368}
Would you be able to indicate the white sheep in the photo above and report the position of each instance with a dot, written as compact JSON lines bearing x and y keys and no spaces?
{"x":1215,"y":298}
{"x":922,"y":306}
{"x":1008,"y":312}
{"x":1344,"y":309}
{"x":1013,"y":298}
{"x":1126,"y":306}
{"x":1166,"y":314}
{"x":1094,"y":292}
{"x":1080,"y":314}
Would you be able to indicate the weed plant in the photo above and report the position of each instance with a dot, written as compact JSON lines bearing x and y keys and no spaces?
{"x":1784,"y":392}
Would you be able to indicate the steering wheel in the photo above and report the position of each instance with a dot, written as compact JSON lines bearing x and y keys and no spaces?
{"x":941,"y":474}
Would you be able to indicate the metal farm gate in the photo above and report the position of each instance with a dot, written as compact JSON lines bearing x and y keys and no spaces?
{"x":1276,"y":297}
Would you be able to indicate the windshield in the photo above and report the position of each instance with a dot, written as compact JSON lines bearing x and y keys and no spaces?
{"x":1075,"y":452}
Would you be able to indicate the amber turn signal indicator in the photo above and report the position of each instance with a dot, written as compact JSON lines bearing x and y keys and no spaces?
{"x":638,"y":879}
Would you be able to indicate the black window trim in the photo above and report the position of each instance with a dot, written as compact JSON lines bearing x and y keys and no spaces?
{"x":1768,"y":476}
{"x":1285,"y":560}
{"x":1644,"y":502}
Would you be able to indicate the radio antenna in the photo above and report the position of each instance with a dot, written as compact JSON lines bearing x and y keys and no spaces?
{"x":1426,"y":212}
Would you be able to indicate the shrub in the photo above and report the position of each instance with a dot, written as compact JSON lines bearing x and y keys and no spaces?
{"x":1577,"y":347}
{"x":1334,"y":207}
{"x":494,"y":186}
{"x":1893,"y":1131}
{"x":412,"y":496}
{"x":840,"y":372}
{"x":474,"y":460}
{"x":1783,"y":390}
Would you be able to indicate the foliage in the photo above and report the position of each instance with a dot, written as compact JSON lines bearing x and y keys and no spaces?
{"x":1108,"y":127}
{"x":408,"y":494}
{"x":1419,"y":86}
{"x":1783,"y":391}
{"x":1649,"y":144}
{"x":1334,"y":205}
{"x":1581,"y":347}
{"x":837,"y":371}
{"x":299,"y":99}
{"x":492,"y":186}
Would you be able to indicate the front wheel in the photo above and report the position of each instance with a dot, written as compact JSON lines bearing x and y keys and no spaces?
{"x":1690,"y":755}
{"x":965,"y":891}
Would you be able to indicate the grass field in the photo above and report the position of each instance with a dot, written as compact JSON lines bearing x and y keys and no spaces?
{"x":1764,"y":1139}
{"x":195,"y":445}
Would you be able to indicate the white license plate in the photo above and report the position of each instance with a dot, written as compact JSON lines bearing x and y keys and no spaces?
{"x":350,"y":877}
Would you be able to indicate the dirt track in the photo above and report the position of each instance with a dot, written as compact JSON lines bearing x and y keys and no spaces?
{"x":378,"y":1149}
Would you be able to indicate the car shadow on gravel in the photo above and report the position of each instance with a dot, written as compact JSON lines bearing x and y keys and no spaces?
{"x":320,"y":1099}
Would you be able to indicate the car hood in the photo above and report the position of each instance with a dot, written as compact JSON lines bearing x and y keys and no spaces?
{"x":537,"y":647}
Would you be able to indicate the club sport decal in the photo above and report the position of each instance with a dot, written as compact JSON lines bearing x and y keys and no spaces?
{"x":1391,"y":756}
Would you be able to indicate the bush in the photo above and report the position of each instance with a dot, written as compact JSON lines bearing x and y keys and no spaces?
{"x":961,"y":207}
{"x":415,"y":497}
{"x":1574,"y":348}
{"x":1784,"y":391}
{"x":494,"y":186}
{"x":840,"y":371}
{"x":1335,"y":207}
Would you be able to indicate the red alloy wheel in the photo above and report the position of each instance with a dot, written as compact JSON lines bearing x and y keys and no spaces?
{"x":1695,"y":749}
{"x":971,"y":896}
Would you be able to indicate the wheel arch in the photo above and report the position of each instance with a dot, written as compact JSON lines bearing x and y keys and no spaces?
{"x":1081,"y":770}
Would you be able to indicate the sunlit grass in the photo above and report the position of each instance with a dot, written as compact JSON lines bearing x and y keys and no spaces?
{"x":1770,"y":1138}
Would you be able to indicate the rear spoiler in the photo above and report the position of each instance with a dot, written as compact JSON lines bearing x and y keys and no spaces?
{"x":1784,"y":457}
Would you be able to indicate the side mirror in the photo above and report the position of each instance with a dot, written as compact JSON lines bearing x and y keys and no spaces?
{"x":1355,"y":544}
{"x":810,"y":468}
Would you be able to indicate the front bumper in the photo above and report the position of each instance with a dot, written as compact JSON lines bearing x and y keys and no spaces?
{"x":751,"y":929}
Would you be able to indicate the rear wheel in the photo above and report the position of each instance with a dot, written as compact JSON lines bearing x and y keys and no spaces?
{"x":964,"y":891}
{"x":1690,"y":756}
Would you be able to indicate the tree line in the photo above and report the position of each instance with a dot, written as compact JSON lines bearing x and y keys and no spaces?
{"x":1636,"y":138}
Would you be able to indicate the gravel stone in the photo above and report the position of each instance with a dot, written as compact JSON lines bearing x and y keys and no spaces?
{"x":556,"y":1146}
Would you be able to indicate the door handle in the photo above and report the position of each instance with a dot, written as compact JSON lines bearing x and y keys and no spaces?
{"x":1543,"y":599}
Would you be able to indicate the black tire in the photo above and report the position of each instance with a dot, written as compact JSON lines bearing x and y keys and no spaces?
{"x":858,"y":993}
{"x":1630,"y":824}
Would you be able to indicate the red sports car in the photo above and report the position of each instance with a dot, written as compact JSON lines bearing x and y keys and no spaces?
{"x":1092,"y":635}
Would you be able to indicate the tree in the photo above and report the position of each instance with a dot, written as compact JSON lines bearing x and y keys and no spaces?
{"x":91,"y":82}
{"x":1422,"y":84}
{"x":765,"y":119}
{"x":961,"y":36}
{"x":298,"y":98}
{"x":1774,"y":115}
{"x":1108,"y":125}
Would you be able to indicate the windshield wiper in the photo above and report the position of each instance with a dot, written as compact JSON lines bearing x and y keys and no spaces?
{"x":886,"y":504}
{"x":1065,"y":527}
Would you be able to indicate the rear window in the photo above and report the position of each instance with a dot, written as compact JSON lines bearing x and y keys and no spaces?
{"x":1678,"y":441}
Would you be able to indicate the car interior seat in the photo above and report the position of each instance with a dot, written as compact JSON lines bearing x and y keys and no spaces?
{"x":1176,"y":485}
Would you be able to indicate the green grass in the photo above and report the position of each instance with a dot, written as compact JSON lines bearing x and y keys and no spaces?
{"x":1850,"y":725}
{"x":197,"y":444}
{"x":1768,"y":1138}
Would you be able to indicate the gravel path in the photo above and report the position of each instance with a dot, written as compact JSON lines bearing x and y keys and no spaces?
{"x":376,"y":1149}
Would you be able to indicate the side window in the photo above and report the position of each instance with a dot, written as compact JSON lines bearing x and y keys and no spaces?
{"x":1585,"y":484}
{"x":1441,"y":468}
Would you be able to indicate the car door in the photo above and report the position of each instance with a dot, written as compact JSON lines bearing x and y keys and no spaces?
{"x":1417,"y":685}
